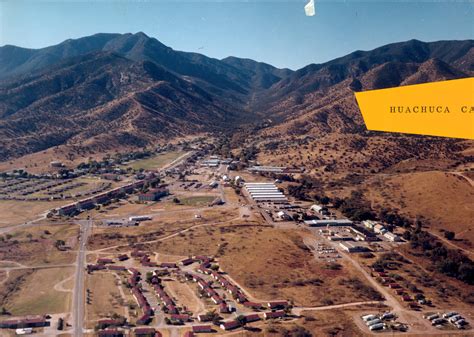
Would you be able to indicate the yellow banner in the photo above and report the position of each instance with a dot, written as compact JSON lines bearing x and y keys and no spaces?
{"x":444,"y":108}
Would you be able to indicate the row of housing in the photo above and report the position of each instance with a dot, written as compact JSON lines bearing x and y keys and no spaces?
{"x":105,"y":197}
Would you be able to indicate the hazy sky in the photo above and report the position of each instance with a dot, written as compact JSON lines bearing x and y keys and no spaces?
{"x":276,"y":32}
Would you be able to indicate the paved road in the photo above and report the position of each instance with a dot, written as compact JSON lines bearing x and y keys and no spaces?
{"x":78,"y":300}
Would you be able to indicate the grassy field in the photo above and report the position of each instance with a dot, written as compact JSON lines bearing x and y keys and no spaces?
{"x":36,"y":294}
{"x":155,"y":162}
{"x":197,"y":201}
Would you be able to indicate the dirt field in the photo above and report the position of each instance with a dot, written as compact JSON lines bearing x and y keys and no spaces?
{"x":39,"y":245}
{"x":444,"y":199}
{"x":269,"y":263}
{"x":105,"y":298}
{"x":164,"y":223}
{"x":35,"y":292}
{"x":184,"y":295}
{"x":16,"y":212}
{"x":197,"y":201}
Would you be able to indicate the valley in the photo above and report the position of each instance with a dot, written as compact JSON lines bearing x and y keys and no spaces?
{"x":146,"y":191}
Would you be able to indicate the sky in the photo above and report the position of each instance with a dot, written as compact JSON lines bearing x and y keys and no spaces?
{"x":276,"y":32}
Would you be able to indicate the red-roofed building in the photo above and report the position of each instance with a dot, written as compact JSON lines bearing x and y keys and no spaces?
{"x":224,"y":308}
{"x":180,"y":318}
{"x":252,"y":305}
{"x":146,"y":332}
{"x":252,"y":318}
{"x":274,"y":314}
{"x":104,"y":261}
{"x":230,"y":325}
{"x":110,"y":333}
{"x":186,"y":262}
{"x":123,"y":257}
{"x":277,"y":304}
{"x":168,"y":265}
{"x":202,"y":328}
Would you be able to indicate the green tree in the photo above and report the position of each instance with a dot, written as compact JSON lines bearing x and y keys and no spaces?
{"x":449,"y":235}
{"x":241,"y":319}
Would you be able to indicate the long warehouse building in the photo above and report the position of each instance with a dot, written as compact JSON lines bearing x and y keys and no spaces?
{"x":265,"y":192}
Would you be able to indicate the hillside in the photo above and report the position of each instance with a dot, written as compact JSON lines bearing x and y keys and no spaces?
{"x":110,"y":90}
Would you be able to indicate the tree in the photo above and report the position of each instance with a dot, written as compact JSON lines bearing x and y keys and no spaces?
{"x":149,"y":276}
{"x":449,"y":235}
{"x":241,"y":319}
{"x":325,"y":200}
{"x":59,"y":244}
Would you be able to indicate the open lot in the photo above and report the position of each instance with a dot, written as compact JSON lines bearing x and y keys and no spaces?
{"x":155,"y":162}
{"x":444,"y":199}
{"x":30,"y":292}
{"x":104,"y":298}
{"x":17,"y":212}
{"x":270,"y":264}
{"x":40,"y":245}
{"x":184,"y":295}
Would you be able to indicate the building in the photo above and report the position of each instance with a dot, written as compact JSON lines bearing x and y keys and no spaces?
{"x":274,"y":314}
{"x":379,"y":229}
{"x":320,"y":209}
{"x":211,"y":162}
{"x":341,"y":237}
{"x":35,"y":322}
{"x":251,"y":318}
{"x":119,"y":223}
{"x":328,"y":222}
{"x":363,"y":234}
{"x":277,"y":304}
{"x":392,"y":237}
{"x":146,"y":332}
{"x":369,"y":224}
{"x":352,"y":247}
{"x":265,"y":192}
{"x":68,"y":210}
{"x":229,"y":325}
{"x":273,"y":169}
{"x":56,"y":164}
{"x":139,"y":218}
{"x":283,"y":216}
{"x":24,"y":331}
{"x":110,"y":333}
{"x":202,"y":328}
{"x":153,"y":195}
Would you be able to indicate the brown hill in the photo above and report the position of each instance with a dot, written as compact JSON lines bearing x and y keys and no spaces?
{"x":108,"y":90}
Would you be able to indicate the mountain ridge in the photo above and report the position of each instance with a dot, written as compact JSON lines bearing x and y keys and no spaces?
{"x":133,"y":87}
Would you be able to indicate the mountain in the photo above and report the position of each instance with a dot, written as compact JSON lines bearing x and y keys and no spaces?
{"x":108,"y":90}
{"x":459,"y":55}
